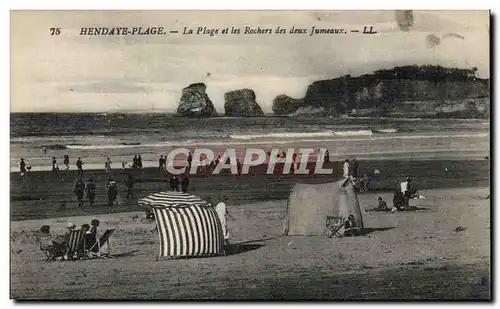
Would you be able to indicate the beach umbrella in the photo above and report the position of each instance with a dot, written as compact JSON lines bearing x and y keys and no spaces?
{"x":187,"y":225}
{"x":171,"y":199}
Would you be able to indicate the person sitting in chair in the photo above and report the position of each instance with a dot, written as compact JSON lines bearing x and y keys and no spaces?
{"x":49,"y":244}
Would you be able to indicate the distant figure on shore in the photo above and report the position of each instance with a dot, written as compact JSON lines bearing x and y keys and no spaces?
{"x":189,"y":160}
{"x":327,"y":157}
{"x":22,"y":167}
{"x":345,"y":173}
{"x":364,"y":182}
{"x":55,"y":167}
{"x":160,"y":163}
{"x":354,"y":168}
{"x":44,"y":150}
{"x":174,"y":183}
{"x":112,"y":192}
{"x":221,"y":209}
{"x":185,"y":183}
{"x":124,"y":164}
{"x":90,"y":190}
{"x":80,"y":191}
{"x":28,"y":168}
{"x":238,"y":166}
{"x":139,"y":161}
{"x":107,"y":165}
{"x":135,"y":163}
{"x":79,"y":166}
{"x":129,"y":183}
{"x":66,"y":162}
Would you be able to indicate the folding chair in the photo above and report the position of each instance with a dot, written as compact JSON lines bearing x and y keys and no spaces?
{"x":95,"y":249}
{"x":334,"y":224}
{"x":74,"y":242}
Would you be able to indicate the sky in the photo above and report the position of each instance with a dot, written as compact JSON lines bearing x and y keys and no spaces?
{"x":73,"y":73}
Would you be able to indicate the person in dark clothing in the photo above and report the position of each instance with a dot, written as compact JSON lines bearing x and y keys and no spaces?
{"x":66,"y":162}
{"x":22,"y":167}
{"x":185,"y":183}
{"x":351,"y":226}
{"x":80,"y":191}
{"x":327,"y":157}
{"x":112,"y":191}
{"x":238,"y":166}
{"x":129,"y":183}
{"x":55,"y":167}
{"x":174,"y":183}
{"x":135,"y":164}
{"x":160,"y":163}
{"x":90,"y":190}
{"x":79,"y":166}
{"x":189,"y":160}
{"x":399,"y":200}
{"x":139,"y":161}
{"x":354,"y":171}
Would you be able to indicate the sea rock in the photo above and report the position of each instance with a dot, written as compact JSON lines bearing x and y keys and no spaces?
{"x":195,"y":102}
{"x":241,"y":103}
{"x":284,"y":105}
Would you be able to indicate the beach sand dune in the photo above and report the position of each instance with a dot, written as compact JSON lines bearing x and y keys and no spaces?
{"x":405,"y":255}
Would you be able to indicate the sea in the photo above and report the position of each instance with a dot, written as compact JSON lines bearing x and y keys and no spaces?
{"x":94,"y":137}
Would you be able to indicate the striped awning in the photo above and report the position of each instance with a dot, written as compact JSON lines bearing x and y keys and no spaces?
{"x":171,"y":199}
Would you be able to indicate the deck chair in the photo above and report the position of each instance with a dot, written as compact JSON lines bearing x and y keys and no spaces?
{"x":74,"y":242}
{"x":95,"y":249}
{"x":334,"y":224}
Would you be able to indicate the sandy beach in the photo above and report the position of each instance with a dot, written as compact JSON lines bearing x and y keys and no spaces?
{"x":404,"y":255}
{"x":439,"y":252}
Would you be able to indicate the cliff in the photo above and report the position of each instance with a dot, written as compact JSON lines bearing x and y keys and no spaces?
{"x":241,"y":103}
{"x":410,"y":91}
{"x":195,"y":102}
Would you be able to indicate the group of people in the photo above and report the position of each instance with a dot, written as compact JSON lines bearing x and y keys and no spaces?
{"x":58,"y":245}
{"x":181,"y":185}
{"x":401,"y":199}
{"x":89,"y":189}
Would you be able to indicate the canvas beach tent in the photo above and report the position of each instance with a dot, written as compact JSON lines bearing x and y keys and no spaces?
{"x":187,"y":225}
{"x":309,"y":205}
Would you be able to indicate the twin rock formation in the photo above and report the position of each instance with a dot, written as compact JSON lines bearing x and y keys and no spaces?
{"x":238,"y":103}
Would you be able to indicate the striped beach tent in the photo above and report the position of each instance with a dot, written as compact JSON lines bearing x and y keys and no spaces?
{"x":187,"y":225}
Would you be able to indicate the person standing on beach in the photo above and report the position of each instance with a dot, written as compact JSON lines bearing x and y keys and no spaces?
{"x":327,"y":157}
{"x":44,"y":150}
{"x":346,"y":169}
{"x":22,"y":167}
{"x":221,"y":210}
{"x":185,"y":183}
{"x":139,"y":161}
{"x":112,"y":191}
{"x":55,"y":167}
{"x":79,"y":165}
{"x":66,"y":162}
{"x":174,"y":183}
{"x":354,"y":168}
{"x":80,"y":191}
{"x":90,"y":190}
{"x":160,"y":164}
{"x":189,"y":160}
{"x":129,"y":183}
{"x":107,"y":165}
{"x":134,"y":162}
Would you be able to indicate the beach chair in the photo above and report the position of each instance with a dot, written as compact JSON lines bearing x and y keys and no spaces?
{"x":334,"y":224}
{"x":95,"y":249}
{"x":73,"y":241}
